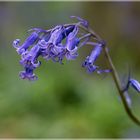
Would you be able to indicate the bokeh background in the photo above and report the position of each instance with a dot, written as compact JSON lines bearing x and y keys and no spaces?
{"x":67,"y":102}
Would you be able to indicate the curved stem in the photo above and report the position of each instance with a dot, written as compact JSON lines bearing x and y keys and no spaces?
{"x":115,"y":78}
{"x":120,"y":90}
{"x":85,"y":36}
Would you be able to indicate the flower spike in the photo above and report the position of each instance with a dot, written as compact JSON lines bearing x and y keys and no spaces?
{"x":64,"y":41}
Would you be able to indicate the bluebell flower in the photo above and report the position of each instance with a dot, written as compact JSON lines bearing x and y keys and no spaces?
{"x":95,"y":53}
{"x":71,"y":44}
{"x":90,"y":60}
{"x":135,"y":84}
{"x":45,"y":49}
{"x":53,"y":46}
{"x":31,"y":57}
{"x":29,"y":62}
{"x":28,"y":42}
{"x":56,"y":35}
{"x":62,"y":41}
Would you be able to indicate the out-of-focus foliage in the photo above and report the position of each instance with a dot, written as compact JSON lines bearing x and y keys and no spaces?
{"x":66,"y":101}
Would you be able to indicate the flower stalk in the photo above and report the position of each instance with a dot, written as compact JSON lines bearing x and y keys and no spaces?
{"x":120,"y":88}
{"x":117,"y":81}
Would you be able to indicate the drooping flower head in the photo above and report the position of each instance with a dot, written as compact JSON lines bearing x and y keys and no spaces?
{"x":62,"y":41}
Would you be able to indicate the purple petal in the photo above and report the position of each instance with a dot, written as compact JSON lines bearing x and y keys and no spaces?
{"x":57,"y":49}
{"x":72,"y":41}
{"x":95,"y":53}
{"x":70,"y":56}
{"x":89,"y":66}
{"x":31,"y":56}
{"x":135,"y":84}
{"x":56,"y":35}
{"x":71,"y":45}
{"x":16,"y":43}
{"x":28,"y":42}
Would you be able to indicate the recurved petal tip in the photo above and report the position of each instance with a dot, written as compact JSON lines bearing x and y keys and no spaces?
{"x":16,"y":43}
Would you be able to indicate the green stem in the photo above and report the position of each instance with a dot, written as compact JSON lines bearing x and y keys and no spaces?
{"x":119,"y":87}
{"x":115,"y":78}
{"x":111,"y":66}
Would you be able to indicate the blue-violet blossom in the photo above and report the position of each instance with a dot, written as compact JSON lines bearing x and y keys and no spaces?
{"x":55,"y":44}
{"x":90,"y":60}
{"x":135,"y":84}
{"x":28,"y":42}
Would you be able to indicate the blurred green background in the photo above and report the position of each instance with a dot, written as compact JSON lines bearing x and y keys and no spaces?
{"x":67,"y":102}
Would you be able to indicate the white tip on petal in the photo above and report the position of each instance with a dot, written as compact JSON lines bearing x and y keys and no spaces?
{"x":16,"y":43}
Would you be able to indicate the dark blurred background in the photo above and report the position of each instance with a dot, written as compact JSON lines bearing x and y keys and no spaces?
{"x":67,"y":102}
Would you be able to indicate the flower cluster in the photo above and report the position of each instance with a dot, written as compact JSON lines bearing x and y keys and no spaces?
{"x":62,"y":41}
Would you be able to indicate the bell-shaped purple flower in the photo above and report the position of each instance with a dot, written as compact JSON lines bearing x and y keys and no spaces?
{"x":135,"y":84}
{"x":71,"y":44}
{"x":27,"y":43}
{"x":29,"y":62}
{"x":95,"y":53}
{"x":90,"y":60}
{"x":47,"y":50}
{"x":54,"y":45}
{"x":31,"y":57}
{"x":56,"y":35}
